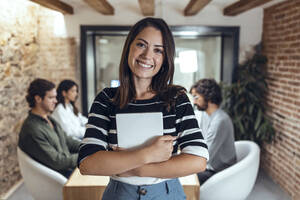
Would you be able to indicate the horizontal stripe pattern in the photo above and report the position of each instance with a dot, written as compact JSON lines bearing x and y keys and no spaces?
{"x":97,"y":102}
{"x":180,"y":121}
{"x":96,"y":141}
{"x":90,"y":126}
{"x":145,"y":104}
{"x":185,"y":118}
{"x":99,"y":116}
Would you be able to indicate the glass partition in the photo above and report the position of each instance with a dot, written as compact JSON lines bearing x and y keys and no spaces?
{"x":199,"y":54}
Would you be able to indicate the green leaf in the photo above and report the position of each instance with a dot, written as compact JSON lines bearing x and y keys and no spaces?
{"x":244,"y":101}
{"x":258,"y":119}
{"x":251,"y":107}
{"x":241,"y":127}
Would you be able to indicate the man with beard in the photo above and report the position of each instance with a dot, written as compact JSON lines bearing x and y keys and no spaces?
{"x":41,"y":137}
{"x":216,"y":125}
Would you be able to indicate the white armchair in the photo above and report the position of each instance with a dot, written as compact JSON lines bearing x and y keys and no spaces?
{"x":42,"y":182}
{"x":236,"y":181}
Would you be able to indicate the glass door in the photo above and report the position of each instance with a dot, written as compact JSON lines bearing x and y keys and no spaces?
{"x":199,"y":54}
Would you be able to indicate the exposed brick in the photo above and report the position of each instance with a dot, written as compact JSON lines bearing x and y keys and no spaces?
{"x":297,"y":103}
{"x":31,"y":51}
{"x":294,"y":83}
{"x":295,"y":70}
{"x":283,"y":49}
{"x":294,"y":45}
{"x":294,"y":57}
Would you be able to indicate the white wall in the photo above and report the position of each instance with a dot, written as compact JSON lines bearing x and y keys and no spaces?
{"x":127,"y":13}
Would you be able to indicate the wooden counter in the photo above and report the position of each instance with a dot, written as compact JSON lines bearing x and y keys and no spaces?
{"x":81,"y":187}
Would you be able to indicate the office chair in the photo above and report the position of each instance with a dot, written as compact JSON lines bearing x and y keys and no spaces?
{"x":42,"y":182}
{"x":236,"y":181}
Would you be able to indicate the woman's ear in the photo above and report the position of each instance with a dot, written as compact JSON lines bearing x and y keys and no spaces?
{"x":64,"y":93}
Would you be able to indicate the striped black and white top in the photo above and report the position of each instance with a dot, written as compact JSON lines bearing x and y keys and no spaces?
{"x":101,"y":133}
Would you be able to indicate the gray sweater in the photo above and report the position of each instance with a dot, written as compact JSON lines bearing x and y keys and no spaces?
{"x":218,"y":132}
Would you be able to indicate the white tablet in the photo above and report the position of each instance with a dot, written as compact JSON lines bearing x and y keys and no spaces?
{"x":136,"y":129}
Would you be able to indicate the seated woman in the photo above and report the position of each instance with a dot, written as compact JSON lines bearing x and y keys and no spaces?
{"x":66,"y":112}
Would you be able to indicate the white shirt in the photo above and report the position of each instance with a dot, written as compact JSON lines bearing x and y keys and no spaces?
{"x":73,"y":125}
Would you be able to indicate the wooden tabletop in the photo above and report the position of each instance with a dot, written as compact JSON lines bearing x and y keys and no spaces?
{"x":80,"y":187}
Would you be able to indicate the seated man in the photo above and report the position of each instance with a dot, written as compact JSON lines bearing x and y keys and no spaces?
{"x":216,"y":125}
{"x":41,"y":137}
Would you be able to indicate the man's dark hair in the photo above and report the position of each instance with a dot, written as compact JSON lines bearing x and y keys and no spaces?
{"x":209,"y":89}
{"x":38,"y":87}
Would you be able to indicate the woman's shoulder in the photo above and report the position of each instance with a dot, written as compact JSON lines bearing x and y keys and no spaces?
{"x":179,"y":95}
{"x":176,"y":92}
{"x":58,"y":109}
{"x":172,"y":94}
{"x":59,"y":106}
{"x":107,"y":94}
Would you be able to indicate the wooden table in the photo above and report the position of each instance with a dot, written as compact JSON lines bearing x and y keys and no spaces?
{"x":80,"y":187}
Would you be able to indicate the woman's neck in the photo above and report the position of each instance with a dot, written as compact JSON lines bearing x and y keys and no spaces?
{"x":143,"y":91}
{"x":144,"y":95}
{"x":67,"y":101}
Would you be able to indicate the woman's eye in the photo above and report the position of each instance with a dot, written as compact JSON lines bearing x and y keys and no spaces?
{"x":139,"y":44}
{"x":160,"y":51}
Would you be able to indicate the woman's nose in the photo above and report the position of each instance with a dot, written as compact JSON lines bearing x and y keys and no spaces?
{"x":147,"y":53}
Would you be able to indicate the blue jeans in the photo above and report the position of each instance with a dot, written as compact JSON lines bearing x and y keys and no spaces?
{"x":167,"y":190}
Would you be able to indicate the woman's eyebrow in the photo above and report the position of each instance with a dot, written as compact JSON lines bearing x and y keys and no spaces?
{"x":156,"y":45}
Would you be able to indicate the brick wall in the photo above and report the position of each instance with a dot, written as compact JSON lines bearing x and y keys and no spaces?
{"x":28,"y":49}
{"x":281,"y":39}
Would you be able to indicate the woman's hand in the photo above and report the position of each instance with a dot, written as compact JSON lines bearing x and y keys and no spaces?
{"x":160,"y":149}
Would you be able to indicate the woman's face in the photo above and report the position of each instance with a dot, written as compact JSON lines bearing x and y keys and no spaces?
{"x":146,"y":54}
{"x":71,"y":94}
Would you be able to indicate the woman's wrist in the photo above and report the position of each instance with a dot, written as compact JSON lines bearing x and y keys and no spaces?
{"x":144,"y":155}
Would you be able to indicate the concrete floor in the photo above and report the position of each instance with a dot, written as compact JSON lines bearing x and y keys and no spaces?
{"x":264,"y":189}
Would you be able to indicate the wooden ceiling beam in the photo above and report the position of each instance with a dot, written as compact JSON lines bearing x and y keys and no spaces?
{"x":194,"y":6}
{"x":56,"y":5}
{"x":101,"y":6}
{"x":147,"y":7}
{"x":242,"y":6}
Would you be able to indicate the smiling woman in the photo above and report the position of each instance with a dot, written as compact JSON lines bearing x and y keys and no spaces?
{"x":151,"y":43}
{"x":146,"y":86}
{"x":146,"y":54}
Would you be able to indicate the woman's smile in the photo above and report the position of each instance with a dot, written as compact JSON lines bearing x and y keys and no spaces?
{"x":144,"y":65}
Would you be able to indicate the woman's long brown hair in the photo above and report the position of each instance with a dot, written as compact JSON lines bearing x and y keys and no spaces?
{"x":66,"y":85}
{"x":162,"y":82}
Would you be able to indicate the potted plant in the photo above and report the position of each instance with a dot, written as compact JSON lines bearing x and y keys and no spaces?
{"x":244,"y":101}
